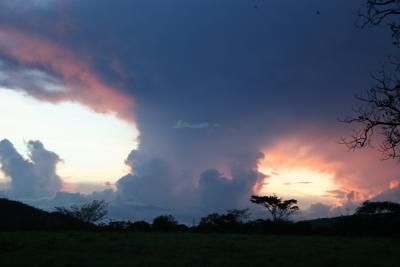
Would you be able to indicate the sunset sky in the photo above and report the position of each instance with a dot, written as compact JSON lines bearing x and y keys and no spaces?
{"x":186,"y":107}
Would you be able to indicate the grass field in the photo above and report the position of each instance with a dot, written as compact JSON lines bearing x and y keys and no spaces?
{"x":153,"y":249}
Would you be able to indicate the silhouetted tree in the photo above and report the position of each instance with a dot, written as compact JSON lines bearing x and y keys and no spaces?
{"x":165,"y":223}
{"x":278,"y":208}
{"x":378,"y":207}
{"x":380,"y":109}
{"x":90,"y":212}
{"x":223,"y":222}
{"x":237,"y":216}
{"x":380,"y":113}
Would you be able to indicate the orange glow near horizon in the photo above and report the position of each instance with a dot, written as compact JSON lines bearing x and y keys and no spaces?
{"x":300,"y":180}
{"x":295,"y":168}
{"x":311,"y":164}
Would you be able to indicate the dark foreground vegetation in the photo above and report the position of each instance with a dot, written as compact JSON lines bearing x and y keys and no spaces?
{"x":32,"y":237}
{"x":189,"y":249}
{"x":371,"y":219}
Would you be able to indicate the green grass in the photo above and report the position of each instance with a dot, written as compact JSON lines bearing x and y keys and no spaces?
{"x":152,"y":249}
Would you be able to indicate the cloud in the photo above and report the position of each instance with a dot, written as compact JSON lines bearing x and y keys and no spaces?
{"x":392,"y":193}
{"x":321,"y":210}
{"x":336,"y":193}
{"x":220,"y":193}
{"x":151,"y":188}
{"x":318,"y":210}
{"x":34,"y":79}
{"x":50,"y":65}
{"x":357,"y":175}
{"x":151,"y":180}
{"x":297,"y":183}
{"x":238,"y":79}
{"x":28,"y":3}
{"x":35,"y":177}
{"x":202,"y":125}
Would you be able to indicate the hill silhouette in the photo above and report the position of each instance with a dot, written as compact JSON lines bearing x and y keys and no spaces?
{"x":15,"y":215}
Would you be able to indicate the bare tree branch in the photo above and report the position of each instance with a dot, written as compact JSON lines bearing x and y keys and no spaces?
{"x":379,"y":114}
{"x":374,"y":12}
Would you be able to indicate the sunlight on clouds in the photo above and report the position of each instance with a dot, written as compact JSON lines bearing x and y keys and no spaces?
{"x":93,"y":146}
{"x":298,"y":182}
{"x":295,"y":170}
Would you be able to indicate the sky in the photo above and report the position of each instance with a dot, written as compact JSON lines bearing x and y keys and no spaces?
{"x":187,"y":107}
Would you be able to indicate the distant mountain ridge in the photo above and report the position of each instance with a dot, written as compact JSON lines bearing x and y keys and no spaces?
{"x":20,"y":216}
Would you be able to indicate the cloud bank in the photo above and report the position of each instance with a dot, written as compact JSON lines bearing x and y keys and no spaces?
{"x":35,"y":177}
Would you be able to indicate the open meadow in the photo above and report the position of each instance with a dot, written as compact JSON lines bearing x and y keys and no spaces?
{"x":187,"y":249}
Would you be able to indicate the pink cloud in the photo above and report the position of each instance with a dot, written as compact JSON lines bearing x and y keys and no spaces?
{"x":82,"y":84}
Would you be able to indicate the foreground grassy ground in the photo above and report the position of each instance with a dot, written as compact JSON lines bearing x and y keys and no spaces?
{"x":152,"y":249}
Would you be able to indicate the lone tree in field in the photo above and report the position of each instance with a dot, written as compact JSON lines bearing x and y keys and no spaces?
{"x":378,"y":207}
{"x":90,"y":212}
{"x":379,"y":112}
{"x":278,"y":208}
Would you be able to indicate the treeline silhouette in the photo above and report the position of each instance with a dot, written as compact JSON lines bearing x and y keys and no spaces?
{"x":370,"y":219}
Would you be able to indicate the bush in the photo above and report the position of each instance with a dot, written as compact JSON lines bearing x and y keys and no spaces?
{"x":140,"y":226}
{"x":165,"y":223}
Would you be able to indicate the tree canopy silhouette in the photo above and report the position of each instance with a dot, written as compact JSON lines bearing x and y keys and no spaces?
{"x":224,"y":222}
{"x":278,"y":208}
{"x":380,"y":106}
{"x":378,"y":207}
{"x":90,"y":212}
{"x":165,"y":223}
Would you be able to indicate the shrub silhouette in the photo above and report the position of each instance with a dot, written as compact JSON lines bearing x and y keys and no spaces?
{"x":378,"y":207}
{"x":140,"y":226}
{"x":165,"y":223}
{"x":230,"y":221}
{"x":90,"y":212}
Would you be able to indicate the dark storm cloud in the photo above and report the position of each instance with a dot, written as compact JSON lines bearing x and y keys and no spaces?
{"x":258,"y":73}
{"x":33,"y":178}
{"x":153,"y":180}
{"x":220,"y":193}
